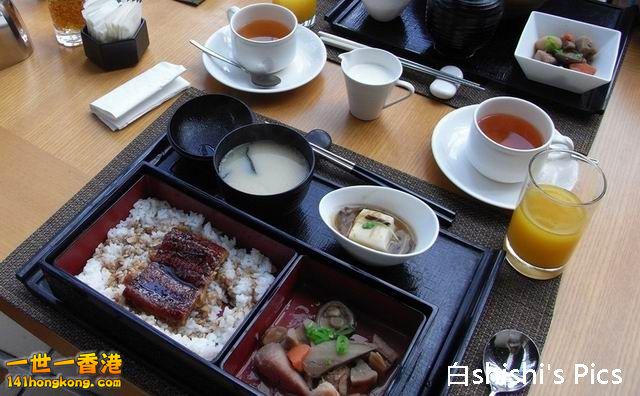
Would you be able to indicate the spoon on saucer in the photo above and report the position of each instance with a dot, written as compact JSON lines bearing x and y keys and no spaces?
{"x":510,"y":359}
{"x":260,"y":80}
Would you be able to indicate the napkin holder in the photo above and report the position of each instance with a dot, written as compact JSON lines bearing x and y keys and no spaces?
{"x":118,"y":54}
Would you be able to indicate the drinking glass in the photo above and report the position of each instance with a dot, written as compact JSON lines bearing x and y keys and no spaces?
{"x":67,"y":21}
{"x":561,"y":193}
{"x":304,"y":10}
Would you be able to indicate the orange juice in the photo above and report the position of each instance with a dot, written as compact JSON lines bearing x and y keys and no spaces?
{"x":303,"y":9}
{"x":547,"y":226}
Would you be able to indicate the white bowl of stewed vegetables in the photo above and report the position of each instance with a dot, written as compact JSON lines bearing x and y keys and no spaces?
{"x":379,"y":226}
{"x":545,"y":34}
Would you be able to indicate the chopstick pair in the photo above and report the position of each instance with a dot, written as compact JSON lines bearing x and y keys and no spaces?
{"x":348,"y":45}
{"x":445,"y":216}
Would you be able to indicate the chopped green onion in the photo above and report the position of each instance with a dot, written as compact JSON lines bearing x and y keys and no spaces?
{"x":342,"y":345}
{"x":318,"y":334}
{"x":369,"y":225}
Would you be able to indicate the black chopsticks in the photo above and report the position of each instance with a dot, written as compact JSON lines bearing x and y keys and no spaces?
{"x":445,"y":215}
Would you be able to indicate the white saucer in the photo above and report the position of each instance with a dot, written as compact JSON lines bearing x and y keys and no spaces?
{"x":448,"y":144}
{"x":310,"y":58}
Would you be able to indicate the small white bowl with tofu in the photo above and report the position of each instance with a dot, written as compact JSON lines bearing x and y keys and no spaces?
{"x":379,"y":226}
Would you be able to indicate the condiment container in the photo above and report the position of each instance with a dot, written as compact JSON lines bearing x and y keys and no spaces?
{"x":117,"y":54}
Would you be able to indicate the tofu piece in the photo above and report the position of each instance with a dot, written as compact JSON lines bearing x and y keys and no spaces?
{"x":373,"y":229}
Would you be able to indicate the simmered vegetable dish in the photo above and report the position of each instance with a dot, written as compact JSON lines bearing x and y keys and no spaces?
{"x":567,"y":51}
{"x":325,"y":356}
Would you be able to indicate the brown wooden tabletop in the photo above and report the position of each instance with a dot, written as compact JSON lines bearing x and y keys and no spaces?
{"x":50,"y":146}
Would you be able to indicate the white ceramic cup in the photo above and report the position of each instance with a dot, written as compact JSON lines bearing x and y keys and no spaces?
{"x":505,"y":164}
{"x":262,"y":57}
{"x":368,"y":93}
{"x":385,"y":10}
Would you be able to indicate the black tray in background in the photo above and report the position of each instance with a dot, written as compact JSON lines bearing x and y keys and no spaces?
{"x":408,"y":37}
{"x":453,"y":275}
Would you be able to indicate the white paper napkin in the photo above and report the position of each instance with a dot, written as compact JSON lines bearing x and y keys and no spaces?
{"x":110,"y":20}
{"x":137,"y":96}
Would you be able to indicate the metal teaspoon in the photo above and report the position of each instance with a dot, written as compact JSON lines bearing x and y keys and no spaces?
{"x":507,"y":357}
{"x":260,"y":80}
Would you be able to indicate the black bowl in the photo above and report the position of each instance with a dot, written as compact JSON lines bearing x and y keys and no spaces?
{"x":283,"y":202}
{"x":198,"y":125}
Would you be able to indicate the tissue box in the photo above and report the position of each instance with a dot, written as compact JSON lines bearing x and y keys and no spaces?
{"x":118,"y":54}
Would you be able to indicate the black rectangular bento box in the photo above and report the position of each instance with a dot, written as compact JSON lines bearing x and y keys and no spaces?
{"x":76,"y":244}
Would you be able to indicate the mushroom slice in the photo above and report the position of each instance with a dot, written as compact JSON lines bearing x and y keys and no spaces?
{"x":336,"y":315}
{"x":323,"y":357}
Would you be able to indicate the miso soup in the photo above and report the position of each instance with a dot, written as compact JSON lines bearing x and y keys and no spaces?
{"x":263,"y":167}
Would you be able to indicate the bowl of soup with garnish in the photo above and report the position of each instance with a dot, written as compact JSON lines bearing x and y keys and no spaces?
{"x":379,"y":226}
{"x":264,"y":168}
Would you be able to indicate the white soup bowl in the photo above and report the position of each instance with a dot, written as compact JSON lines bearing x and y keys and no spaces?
{"x":420,"y":218}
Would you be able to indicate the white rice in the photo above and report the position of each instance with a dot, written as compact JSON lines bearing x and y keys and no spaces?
{"x":240,"y":283}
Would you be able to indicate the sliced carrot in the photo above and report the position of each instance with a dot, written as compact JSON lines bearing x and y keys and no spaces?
{"x":297,"y":354}
{"x":583,"y":68}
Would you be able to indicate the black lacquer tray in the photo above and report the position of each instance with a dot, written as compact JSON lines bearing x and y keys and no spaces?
{"x":408,"y":37}
{"x":454,"y":276}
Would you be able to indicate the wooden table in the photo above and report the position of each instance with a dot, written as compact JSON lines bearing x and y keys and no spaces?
{"x":51,"y":146}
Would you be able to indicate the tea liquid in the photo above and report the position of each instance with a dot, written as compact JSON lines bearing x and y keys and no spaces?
{"x":511,"y":131}
{"x":264,"y":30}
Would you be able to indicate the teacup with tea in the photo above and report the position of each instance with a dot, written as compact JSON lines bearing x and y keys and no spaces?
{"x":263,"y":37}
{"x":506,"y":133}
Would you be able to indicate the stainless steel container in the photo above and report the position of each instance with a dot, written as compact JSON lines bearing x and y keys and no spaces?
{"x":15,"y":43}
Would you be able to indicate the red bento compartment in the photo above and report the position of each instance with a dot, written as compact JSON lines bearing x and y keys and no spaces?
{"x":73,"y":259}
{"x":308,"y":285}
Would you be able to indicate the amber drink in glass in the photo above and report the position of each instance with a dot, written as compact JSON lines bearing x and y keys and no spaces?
{"x":67,"y":21}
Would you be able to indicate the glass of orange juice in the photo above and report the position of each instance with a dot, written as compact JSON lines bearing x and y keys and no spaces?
{"x":305,"y":10}
{"x":562,"y":191}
